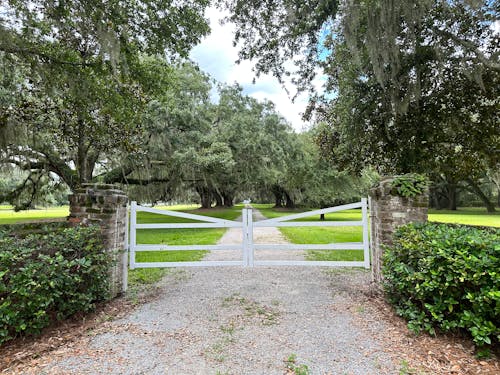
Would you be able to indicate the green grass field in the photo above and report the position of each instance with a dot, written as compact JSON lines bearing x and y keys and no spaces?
{"x":8,"y":216}
{"x":469,"y":216}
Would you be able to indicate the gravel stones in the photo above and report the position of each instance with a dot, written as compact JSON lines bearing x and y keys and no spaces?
{"x":239,"y":321}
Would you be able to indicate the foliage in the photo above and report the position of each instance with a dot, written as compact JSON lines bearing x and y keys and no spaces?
{"x":449,"y":127}
{"x":22,"y":230}
{"x":375,"y":28}
{"x":74,"y":83}
{"x":446,"y":277}
{"x":410,"y":86}
{"x":409,"y":185}
{"x":38,"y":190}
{"x":294,"y":368}
{"x":50,"y":276}
{"x":219,"y":149}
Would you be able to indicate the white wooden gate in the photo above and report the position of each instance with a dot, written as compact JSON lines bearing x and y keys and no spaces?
{"x":207,"y":222}
{"x":286,"y":221}
{"x":247,"y":247}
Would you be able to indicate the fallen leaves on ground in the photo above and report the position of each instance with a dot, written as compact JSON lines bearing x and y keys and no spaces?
{"x":419,"y":354}
{"x":66,"y":336}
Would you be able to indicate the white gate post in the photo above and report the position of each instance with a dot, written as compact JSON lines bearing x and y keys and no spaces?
{"x":250,"y":237}
{"x":244,"y":232}
{"x":366,"y":243}
{"x":133,"y":230}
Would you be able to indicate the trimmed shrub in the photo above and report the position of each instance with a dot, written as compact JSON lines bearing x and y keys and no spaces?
{"x":21,"y":230}
{"x":44,"y":277}
{"x":446,"y":277}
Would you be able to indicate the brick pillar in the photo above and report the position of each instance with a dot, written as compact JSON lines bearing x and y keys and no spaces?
{"x":389,"y":211}
{"x":105,"y":205}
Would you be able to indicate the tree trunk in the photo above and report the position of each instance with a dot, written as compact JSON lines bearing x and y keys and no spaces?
{"x":83,"y":164}
{"x":205,"y":197}
{"x":278,"y":202}
{"x":219,"y":202}
{"x":278,"y":196}
{"x":451,"y":190}
{"x":289,"y":201}
{"x":228,"y":199}
{"x":490,"y":207}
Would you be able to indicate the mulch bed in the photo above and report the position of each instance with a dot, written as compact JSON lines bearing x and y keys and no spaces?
{"x":440,"y":354}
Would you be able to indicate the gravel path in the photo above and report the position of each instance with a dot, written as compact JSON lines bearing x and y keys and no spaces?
{"x":239,"y":321}
{"x":264,"y":235}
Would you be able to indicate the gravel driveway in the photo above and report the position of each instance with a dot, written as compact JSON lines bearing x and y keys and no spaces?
{"x":239,"y":321}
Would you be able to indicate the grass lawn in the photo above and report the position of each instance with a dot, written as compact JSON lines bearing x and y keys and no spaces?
{"x":468,"y":215}
{"x":8,"y":216}
{"x":320,"y":235}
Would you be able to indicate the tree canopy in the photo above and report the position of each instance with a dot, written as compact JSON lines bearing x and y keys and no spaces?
{"x":75,"y":85}
{"x":410,"y":86}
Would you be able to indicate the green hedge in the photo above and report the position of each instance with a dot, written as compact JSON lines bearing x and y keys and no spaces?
{"x":21,"y":230}
{"x":48,"y":276}
{"x":446,"y":277}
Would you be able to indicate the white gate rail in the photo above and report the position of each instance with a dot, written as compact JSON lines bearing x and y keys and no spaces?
{"x":285,"y":221}
{"x":248,"y":247}
{"x":209,"y":222}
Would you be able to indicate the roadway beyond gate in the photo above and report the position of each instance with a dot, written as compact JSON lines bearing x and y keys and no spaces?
{"x":245,"y":250}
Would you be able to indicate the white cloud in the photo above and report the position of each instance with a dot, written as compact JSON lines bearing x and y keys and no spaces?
{"x":216,"y":56}
{"x":496,"y":26}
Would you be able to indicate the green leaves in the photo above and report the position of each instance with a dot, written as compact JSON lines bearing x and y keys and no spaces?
{"x":445,"y":277}
{"x":50,"y":275}
{"x":409,"y":185}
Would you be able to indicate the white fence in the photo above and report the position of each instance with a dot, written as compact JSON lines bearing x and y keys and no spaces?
{"x":286,"y":221}
{"x":247,"y":247}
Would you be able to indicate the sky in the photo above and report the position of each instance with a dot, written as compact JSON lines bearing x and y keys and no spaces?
{"x":216,"y":55}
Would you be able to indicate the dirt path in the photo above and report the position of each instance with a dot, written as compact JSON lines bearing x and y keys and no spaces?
{"x":263,"y":235}
{"x":235,"y":321}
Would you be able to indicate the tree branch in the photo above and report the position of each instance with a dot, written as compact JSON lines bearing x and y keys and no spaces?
{"x":468,"y":46}
{"x":43,"y":55}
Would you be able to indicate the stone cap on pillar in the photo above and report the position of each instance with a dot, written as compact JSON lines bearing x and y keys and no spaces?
{"x":99,"y":188}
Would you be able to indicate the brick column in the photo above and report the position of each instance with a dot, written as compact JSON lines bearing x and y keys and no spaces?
{"x":105,"y":205}
{"x":387,"y":212}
